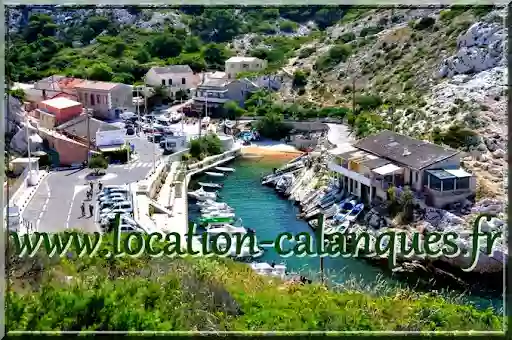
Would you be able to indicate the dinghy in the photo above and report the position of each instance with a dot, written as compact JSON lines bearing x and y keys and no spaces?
{"x":212,"y":204}
{"x":225,"y":169}
{"x":218,"y":213}
{"x":226,"y":228}
{"x":202,"y":195}
{"x":345,"y":210}
{"x":214,"y":174}
{"x":210,"y":185}
{"x":355,"y":212}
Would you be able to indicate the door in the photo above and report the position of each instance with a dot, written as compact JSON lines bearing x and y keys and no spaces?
{"x":365,"y":193}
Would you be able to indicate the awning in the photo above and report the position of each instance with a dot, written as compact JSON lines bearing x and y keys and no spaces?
{"x":441,"y":174}
{"x":107,"y":148}
{"x":386,"y":169}
{"x":459,"y":173}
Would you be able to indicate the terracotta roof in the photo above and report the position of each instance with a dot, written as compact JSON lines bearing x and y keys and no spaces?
{"x":69,"y":83}
{"x":96,"y":85}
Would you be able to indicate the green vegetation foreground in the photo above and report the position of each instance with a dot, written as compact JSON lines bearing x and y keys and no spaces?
{"x":207,"y":294}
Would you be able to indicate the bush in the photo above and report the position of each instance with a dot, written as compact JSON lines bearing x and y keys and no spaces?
{"x":300,"y":78}
{"x":272,"y":126}
{"x":98,"y":163}
{"x":337,"y":54}
{"x":368,"y":102}
{"x":205,"y":146}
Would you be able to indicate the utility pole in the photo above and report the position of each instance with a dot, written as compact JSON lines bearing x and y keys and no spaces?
{"x":88,"y":134}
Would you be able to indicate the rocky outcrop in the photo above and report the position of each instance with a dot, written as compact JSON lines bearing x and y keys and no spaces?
{"x":480,"y":48}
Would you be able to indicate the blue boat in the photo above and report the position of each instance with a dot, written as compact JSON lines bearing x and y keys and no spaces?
{"x":345,"y":209}
{"x":355,"y":212}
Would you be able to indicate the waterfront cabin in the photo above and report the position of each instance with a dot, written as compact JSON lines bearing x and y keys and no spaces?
{"x":386,"y":159}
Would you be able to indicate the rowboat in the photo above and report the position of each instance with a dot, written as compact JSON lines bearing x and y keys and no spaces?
{"x":345,"y":210}
{"x":210,"y":185}
{"x":355,"y":212}
{"x":225,"y":169}
{"x":214,"y":174}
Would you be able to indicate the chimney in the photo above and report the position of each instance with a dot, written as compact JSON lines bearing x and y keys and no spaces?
{"x":406,"y":152}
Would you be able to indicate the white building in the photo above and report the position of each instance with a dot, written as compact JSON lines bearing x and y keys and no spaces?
{"x":107,"y":100}
{"x":235,"y":65}
{"x":173,"y":78}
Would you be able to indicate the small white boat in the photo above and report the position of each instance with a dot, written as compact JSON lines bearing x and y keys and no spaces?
{"x":210,"y":185}
{"x":202,"y":195}
{"x":263,"y":268}
{"x":226,"y":228}
{"x":214,"y":174}
{"x":212,"y":204}
{"x":218,"y":213}
{"x":225,"y":169}
{"x":209,"y":209}
{"x":355,"y":212}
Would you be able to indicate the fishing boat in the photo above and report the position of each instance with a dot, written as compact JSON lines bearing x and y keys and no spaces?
{"x":284,"y":183}
{"x":208,"y":209}
{"x":212,"y":204}
{"x":210,"y":185}
{"x":202,"y":195}
{"x":355,"y":212}
{"x":263,"y":268}
{"x":345,"y":210}
{"x":226,"y":228}
{"x":214,"y":174}
{"x":225,"y":169}
{"x":211,"y":221}
{"x":218,"y":213}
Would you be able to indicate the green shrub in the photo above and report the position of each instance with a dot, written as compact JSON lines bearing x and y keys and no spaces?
{"x":337,"y":54}
{"x":205,"y":146}
{"x":300,"y":78}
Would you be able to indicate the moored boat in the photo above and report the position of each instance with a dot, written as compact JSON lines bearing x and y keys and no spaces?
{"x":202,"y":195}
{"x":210,"y":185}
{"x":214,"y":174}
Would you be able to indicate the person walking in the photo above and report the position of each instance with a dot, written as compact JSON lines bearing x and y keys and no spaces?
{"x":91,"y":210}
{"x":82,"y":207}
{"x":92,"y":186}
{"x":100,"y":186}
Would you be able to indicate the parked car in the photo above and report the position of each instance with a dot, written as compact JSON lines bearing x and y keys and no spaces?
{"x":155,"y":137}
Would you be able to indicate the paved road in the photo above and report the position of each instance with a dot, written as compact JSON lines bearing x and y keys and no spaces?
{"x":56,"y":204}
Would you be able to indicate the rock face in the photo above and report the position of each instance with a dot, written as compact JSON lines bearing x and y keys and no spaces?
{"x":479,"y":49}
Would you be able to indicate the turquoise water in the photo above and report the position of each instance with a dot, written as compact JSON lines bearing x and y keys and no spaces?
{"x":261,"y":209}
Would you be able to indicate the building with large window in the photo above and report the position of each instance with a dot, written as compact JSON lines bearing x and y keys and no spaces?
{"x":388,"y":159}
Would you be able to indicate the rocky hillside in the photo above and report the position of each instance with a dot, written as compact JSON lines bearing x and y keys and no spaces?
{"x":434,"y":73}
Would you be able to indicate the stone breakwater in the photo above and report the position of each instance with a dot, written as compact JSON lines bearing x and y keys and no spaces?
{"x":309,"y":184}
